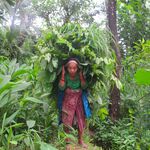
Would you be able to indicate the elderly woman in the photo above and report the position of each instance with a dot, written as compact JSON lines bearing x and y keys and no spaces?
{"x":72,"y":82}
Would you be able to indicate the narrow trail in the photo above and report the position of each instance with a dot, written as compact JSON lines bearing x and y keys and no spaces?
{"x":78,"y":147}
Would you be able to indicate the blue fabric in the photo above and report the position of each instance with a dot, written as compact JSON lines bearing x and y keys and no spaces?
{"x":85,"y":102}
{"x":86,"y":106}
{"x":59,"y":104}
{"x":60,"y":99}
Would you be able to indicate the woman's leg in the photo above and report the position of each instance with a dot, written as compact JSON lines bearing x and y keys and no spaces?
{"x":80,"y":139}
{"x":66,"y":129}
{"x":68,"y":112}
{"x":81,"y":122}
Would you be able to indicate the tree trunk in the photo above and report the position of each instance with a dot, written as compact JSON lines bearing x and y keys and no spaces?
{"x":13,"y":17}
{"x":115,"y":92}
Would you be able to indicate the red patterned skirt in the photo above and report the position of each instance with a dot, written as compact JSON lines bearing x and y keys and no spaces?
{"x":72,"y":108}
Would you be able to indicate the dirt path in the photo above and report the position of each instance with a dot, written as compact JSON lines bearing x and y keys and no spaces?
{"x":78,"y":147}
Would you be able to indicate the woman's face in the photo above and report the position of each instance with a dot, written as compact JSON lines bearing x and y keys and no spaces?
{"x":72,"y":68}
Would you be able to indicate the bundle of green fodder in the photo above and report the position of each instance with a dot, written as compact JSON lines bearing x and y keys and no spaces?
{"x":89,"y":45}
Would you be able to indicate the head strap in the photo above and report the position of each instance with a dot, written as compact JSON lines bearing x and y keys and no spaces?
{"x":71,"y":61}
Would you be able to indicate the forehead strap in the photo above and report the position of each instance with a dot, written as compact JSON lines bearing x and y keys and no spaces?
{"x":72,"y":61}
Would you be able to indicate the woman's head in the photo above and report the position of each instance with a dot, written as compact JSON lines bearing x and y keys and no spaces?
{"x":72,"y":66}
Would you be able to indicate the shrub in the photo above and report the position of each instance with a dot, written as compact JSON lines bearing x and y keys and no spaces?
{"x":120,"y":135}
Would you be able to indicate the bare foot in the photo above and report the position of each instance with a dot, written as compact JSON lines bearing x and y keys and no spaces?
{"x":68,"y":147}
{"x":83,"y":144}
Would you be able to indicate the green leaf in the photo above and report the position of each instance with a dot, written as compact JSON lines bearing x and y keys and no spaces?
{"x":19,"y":72}
{"x":142,"y":76}
{"x":55,"y":62}
{"x":14,"y":142}
{"x":45,"y":146}
{"x":48,"y":57}
{"x":7,"y":86}
{"x":3,"y":123}
{"x":19,"y":137}
{"x":48,"y":36}
{"x":11,"y":118}
{"x":4,"y":80}
{"x":35,"y":100}
{"x":43,"y":64}
{"x":10,"y":134}
{"x":30,"y":123}
{"x":37,"y":138}
{"x":17,"y":125}
{"x":103,"y":113}
{"x":50,"y":67}
{"x":12,"y":66}
{"x":52,"y":77}
{"x":117,"y":82}
{"x":21,"y":85}
{"x":27,"y":141}
{"x":4,"y":98}
{"x":44,"y":95}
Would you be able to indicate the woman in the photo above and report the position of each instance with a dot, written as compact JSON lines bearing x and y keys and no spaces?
{"x":72,"y":82}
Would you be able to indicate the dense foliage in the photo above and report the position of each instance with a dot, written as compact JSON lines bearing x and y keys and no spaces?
{"x":90,"y":46}
{"x":132,"y":17}
{"x":34,"y":110}
{"x":132,"y":130}
{"x":30,"y":65}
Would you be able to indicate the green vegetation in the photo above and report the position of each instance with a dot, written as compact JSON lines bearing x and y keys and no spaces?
{"x":30,"y":65}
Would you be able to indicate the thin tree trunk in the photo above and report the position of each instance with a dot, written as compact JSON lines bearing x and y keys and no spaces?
{"x":13,"y":17}
{"x":115,"y":92}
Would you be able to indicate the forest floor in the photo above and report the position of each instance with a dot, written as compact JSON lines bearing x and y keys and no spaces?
{"x":87,"y":138}
{"x":78,"y":147}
